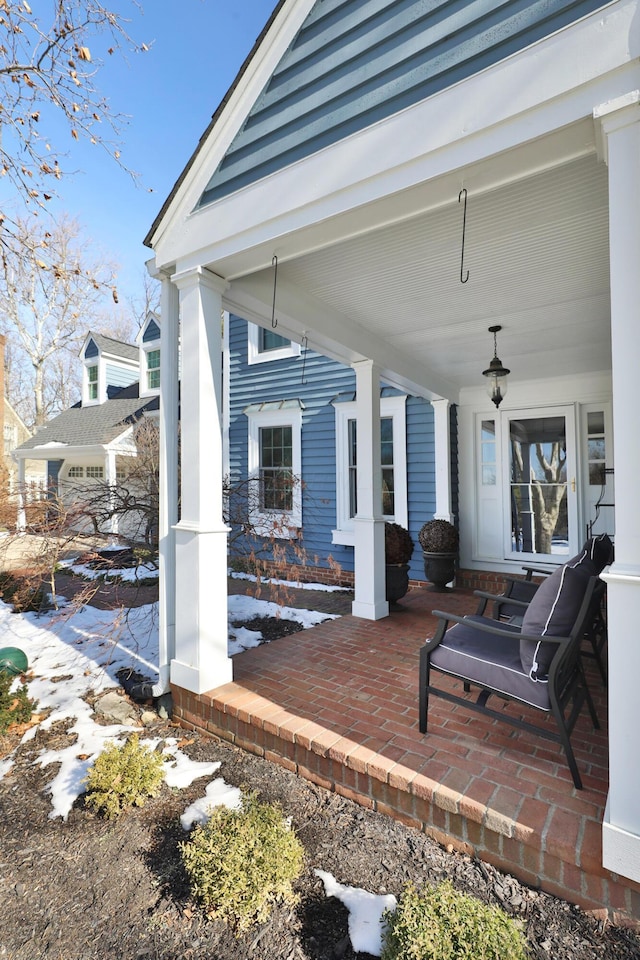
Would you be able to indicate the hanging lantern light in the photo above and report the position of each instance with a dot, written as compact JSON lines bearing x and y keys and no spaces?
{"x":496,"y":373}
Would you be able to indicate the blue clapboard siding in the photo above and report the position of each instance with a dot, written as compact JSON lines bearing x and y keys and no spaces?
{"x":151,"y":333}
{"x":324,"y":380}
{"x":355,"y":62}
{"x":118,"y":376}
{"x":91,"y":350}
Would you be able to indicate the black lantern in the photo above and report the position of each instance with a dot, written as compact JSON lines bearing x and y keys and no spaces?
{"x":496,"y":373}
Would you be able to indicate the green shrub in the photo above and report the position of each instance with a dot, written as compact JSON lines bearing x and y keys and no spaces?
{"x":442,"y":924}
{"x":241,"y":862}
{"x":124,"y":775}
{"x":15,"y":705}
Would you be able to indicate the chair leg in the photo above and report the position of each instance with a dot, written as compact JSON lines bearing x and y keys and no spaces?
{"x":589,"y":699}
{"x":571,"y":759}
{"x":423,"y":692}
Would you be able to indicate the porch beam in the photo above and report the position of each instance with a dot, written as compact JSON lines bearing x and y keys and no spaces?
{"x":619,"y":125}
{"x":369,"y":588}
{"x":331,"y":333}
{"x":201,"y":660}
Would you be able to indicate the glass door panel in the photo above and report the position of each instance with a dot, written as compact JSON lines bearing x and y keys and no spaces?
{"x":542,"y":508}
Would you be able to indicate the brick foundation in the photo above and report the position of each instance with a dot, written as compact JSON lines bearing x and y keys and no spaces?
{"x":521,"y":843}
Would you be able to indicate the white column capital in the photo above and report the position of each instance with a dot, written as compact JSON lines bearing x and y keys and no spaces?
{"x":612,"y":116}
{"x":199,"y":276}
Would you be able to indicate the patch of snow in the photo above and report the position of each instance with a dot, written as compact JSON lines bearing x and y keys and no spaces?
{"x":218,"y":793}
{"x":327,"y":588}
{"x":365,"y":913}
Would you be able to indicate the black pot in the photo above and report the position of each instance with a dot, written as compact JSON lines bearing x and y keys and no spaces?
{"x":439,"y":569}
{"x":396,"y":581}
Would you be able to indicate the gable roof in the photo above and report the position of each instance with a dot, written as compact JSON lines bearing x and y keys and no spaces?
{"x":356,"y":62}
{"x":214,"y":119}
{"x":95,"y":425}
{"x":112,"y":347}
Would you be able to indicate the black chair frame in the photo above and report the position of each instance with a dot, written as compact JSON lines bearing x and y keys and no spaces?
{"x":567,"y":686}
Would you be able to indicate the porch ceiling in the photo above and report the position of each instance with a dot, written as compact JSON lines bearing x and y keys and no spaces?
{"x":538,"y":260}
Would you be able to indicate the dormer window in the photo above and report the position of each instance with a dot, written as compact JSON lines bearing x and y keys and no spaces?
{"x":92,"y":382}
{"x":149,"y":346}
{"x":153,"y":370}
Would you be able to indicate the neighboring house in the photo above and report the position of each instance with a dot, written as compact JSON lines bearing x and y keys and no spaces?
{"x":292,"y":411}
{"x":93,"y":442}
{"x":389,"y":181}
{"x":15,"y":433}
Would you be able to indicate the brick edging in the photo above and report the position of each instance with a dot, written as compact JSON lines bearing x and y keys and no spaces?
{"x":358,"y":773}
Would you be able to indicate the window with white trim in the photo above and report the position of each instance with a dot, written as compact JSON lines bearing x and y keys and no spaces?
{"x":393,"y":458}
{"x":95,"y":473}
{"x":75,"y":473}
{"x":153,"y":369}
{"x":92,"y":382}
{"x":265,"y":344}
{"x":275,"y":466}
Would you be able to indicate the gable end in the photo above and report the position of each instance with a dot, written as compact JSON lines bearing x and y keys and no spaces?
{"x":354,"y":63}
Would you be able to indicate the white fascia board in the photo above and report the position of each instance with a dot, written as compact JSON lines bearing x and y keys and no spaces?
{"x":302,"y":317}
{"x":496,"y":110}
{"x":118,"y":358}
{"x":234,"y":114}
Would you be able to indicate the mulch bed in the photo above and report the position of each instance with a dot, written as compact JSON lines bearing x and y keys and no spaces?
{"x":89,"y":889}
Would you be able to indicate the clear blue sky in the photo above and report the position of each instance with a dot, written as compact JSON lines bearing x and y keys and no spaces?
{"x":170,"y":94}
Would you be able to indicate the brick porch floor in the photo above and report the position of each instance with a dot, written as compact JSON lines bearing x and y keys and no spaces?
{"x":338,"y":705}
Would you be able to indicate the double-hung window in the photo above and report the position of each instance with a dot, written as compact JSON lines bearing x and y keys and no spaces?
{"x":153,"y":369}
{"x":92,"y":382}
{"x":393,"y":461}
{"x":275,"y":463}
{"x":265,"y":344}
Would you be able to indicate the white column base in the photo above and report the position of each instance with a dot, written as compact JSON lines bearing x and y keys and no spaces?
{"x":201,"y":660}
{"x":369,"y":602}
{"x":620,"y":849}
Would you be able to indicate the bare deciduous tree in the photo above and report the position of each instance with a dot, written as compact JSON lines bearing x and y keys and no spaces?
{"x":50,"y":288}
{"x":49,"y":65}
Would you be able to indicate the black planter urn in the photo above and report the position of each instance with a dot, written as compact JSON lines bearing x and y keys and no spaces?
{"x":439,"y":569}
{"x":396,"y":581}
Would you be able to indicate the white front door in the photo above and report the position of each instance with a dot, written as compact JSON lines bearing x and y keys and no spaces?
{"x":541,"y":505}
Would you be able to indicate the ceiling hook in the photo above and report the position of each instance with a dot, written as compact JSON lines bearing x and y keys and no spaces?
{"x":463,"y":279}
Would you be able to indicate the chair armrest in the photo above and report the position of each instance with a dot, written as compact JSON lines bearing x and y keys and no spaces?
{"x":486,"y":626}
{"x":543,"y":571}
{"x":497,"y":598}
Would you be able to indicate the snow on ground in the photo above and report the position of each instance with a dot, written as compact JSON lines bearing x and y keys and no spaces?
{"x":73,"y":653}
{"x":327,"y":588}
{"x":365,"y":912}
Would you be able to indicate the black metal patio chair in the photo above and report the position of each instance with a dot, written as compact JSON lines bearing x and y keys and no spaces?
{"x":538,"y":665}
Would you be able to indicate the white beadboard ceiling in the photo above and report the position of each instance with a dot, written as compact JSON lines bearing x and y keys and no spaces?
{"x":538,"y":260}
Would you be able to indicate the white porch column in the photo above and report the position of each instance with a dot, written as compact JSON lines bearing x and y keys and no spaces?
{"x":370,"y":592}
{"x":110,"y":480}
{"x":442,"y":437}
{"x":168,"y":470}
{"x":21,"y":519}
{"x":620,"y":127}
{"x":201,"y":661}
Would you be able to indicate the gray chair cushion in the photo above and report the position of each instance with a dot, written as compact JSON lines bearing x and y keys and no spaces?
{"x":552,"y":613}
{"x":489,"y":660}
